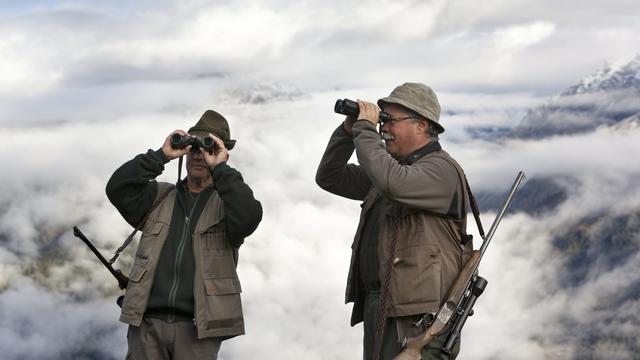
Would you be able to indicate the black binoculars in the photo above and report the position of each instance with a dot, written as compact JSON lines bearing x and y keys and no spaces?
{"x":179,"y":141}
{"x":351,"y":108}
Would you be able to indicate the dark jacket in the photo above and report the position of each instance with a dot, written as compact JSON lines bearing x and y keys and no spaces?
{"x":222,"y":218}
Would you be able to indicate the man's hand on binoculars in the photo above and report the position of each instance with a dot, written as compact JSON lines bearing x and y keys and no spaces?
{"x":169,"y":151}
{"x":369,"y":111}
{"x":220,"y":153}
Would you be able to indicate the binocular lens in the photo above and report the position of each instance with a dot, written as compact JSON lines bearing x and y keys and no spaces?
{"x":182,"y":141}
{"x":207,"y":143}
{"x":179,"y":141}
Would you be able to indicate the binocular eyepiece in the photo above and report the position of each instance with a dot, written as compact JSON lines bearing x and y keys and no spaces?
{"x":351,"y":108}
{"x":179,"y":141}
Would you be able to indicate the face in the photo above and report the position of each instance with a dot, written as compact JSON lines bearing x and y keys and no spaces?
{"x":196,"y":166}
{"x":403,"y":137}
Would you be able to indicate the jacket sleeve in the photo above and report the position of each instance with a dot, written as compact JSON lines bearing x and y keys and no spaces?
{"x":132,"y":188}
{"x":335,"y":175}
{"x":242,"y":211}
{"x":429,"y":184}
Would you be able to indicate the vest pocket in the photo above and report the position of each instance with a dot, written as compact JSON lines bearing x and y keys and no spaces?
{"x":416,"y":277}
{"x":222,"y":286}
{"x":139,"y":269}
{"x":214,"y":240}
{"x":146,"y":244}
{"x":135,"y":295}
{"x":223,"y":303}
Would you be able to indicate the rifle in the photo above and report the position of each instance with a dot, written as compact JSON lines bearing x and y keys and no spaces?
{"x":464,"y":292}
{"x":123,"y":280}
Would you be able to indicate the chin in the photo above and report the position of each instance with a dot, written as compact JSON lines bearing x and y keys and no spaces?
{"x":198,"y":171}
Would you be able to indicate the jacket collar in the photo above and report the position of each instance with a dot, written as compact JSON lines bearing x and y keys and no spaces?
{"x":414,"y":156}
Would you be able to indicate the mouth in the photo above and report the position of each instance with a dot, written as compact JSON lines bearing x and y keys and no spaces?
{"x":201,"y":165}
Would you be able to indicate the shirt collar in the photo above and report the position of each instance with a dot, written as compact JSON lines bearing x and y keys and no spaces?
{"x":414,"y":156}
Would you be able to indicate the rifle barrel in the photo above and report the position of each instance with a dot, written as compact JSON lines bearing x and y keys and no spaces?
{"x":80,"y":235}
{"x":492,"y":230}
{"x":494,"y":226}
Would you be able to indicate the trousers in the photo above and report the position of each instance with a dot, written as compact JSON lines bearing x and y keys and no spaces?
{"x":157,"y":339}
{"x":391,"y":345}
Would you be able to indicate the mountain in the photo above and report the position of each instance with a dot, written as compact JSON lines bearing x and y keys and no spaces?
{"x":598,"y":248}
{"x":262,"y":93}
{"x":536,"y":196}
{"x":606,"y":98}
{"x":598,"y":255}
{"x":608,"y":243}
{"x":632,"y":122}
{"x":609,"y":97}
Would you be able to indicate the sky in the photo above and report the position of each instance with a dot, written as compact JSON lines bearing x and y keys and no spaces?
{"x":87,"y":85}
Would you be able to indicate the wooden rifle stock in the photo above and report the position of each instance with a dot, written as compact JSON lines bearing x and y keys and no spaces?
{"x":462,"y":296}
{"x":123,"y":280}
{"x":413,"y":345}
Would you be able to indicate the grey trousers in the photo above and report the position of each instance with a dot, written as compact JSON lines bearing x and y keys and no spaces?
{"x":390,"y":344}
{"x":156,"y":339}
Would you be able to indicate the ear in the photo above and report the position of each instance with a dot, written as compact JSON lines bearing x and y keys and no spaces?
{"x":422,"y":127}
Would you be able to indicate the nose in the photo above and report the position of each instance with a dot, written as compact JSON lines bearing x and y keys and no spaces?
{"x":195,"y":154}
{"x":385,"y":126}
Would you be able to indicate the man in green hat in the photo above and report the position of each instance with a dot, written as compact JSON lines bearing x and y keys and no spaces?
{"x":410,"y":243}
{"x":183,"y":295}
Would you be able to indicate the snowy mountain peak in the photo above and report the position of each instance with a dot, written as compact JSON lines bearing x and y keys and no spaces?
{"x":606,"y":98}
{"x":613,"y":77}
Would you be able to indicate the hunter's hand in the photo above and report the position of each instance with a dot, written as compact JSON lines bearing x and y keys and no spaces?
{"x":369,"y":111}
{"x":169,"y":151}
{"x":220,"y":153}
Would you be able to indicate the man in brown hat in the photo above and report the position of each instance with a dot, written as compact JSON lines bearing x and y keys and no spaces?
{"x":408,"y":247}
{"x":183,"y":295}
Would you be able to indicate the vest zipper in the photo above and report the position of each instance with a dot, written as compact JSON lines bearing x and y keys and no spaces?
{"x":178,"y":261}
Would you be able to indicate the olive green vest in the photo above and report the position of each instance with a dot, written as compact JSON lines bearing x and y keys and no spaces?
{"x":218,"y":308}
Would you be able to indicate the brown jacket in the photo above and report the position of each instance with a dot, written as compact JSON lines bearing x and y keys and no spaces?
{"x":420,"y":197}
{"x":218,"y":309}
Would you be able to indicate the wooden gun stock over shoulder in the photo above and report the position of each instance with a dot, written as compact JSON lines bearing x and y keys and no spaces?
{"x":467,"y":287}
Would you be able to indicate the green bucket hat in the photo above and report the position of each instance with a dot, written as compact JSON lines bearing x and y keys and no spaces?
{"x":418,"y":98}
{"x":214,"y":123}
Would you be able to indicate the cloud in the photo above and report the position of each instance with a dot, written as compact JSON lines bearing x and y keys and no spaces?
{"x":39,"y":324}
{"x":19,"y":74}
{"x":454,"y":45}
{"x":293,"y":269}
{"x":94,"y":84}
{"x":515,"y":37}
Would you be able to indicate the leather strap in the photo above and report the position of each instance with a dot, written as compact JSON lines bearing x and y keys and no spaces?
{"x":140,"y":225}
{"x":383,"y":307}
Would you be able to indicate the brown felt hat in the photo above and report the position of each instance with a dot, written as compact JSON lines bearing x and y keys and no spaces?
{"x":418,"y":98}
{"x":216,"y":124}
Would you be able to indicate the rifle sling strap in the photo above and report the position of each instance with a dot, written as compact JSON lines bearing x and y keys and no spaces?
{"x":474,"y":208}
{"x":383,"y":306}
{"x":472,"y":202}
{"x":140,"y":225}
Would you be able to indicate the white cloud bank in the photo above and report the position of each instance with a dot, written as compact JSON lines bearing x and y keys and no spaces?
{"x":294,"y":267}
{"x":86,"y":86}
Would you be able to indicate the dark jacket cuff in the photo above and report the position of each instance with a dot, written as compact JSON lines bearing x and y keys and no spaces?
{"x":160,"y":156}
{"x":217,"y":171}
